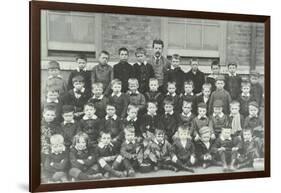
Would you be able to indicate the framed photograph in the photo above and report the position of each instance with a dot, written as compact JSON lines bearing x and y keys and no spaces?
{"x":126,"y":96}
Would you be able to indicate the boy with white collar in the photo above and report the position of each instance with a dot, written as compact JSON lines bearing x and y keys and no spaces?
{"x":132,"y":119}
{"x":108,"y":155}
{"x":245,"y":98}
{"x":81,"y":70}
{"x":236,"y":120}
{"x":90,"y":124}
{"x":186,"y":116}
{"x":98,"y":99}
{"x":226,"y":149}
{"x":172,"y":95}
{"x":233,"y":81}
{"x":143,"y":70}
{"x":69,"y":127}
{"x":130,"y":151}
{"x":218,"y":120}
{"x":211,"y":79}
{"x":200,"y":121}
{"x":77,"y":97}
{"x":204,"y":97}
{"x":188,"y":94}
{"x":119,"y":99}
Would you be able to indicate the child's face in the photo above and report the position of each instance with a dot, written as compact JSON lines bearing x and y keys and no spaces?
{"x":81,"y":63}
{"x":188,"y":88}
{"x":140,"y":57}
{"x":105,"y":138}
{"x":153,"y":85}
{"x":78,"y":85}
{"x":219,"y":84}
{"x":186,"y":108}
{"x":151,"y":108}
{"x":97,"y":91}
{"x":116,"y":88}
{"x":226,"y":133}
{"x":129,"y":136}
{"x":253,"y":111}
{"x":110,"y":110}
{"x":215,"y":69}
{"x":57,"y":147}
{"x":159,"y":136}
{"x":52,"y":95}
{"x":194,"y":65}
{"x":133,"y":112}
{"x":53,"y":72}
{"x":157,"y":49}
{"x":49,"y":115}
{"x":254,"y":79}
{"x":183,"y":134}
{"x":89,"y":111}
{"x":133,"y":87}
{"x":171,"y":88}
{"x":247,"y":135}
{"x":206,"y":92}
{"x":234,"y":109}
{"x":205,"y":137}
{"x":168,"y":108}
{"x":124,"y":56}
{"x":103,"y":59}
{"x":217,"y":110}
{"x":202,"y":111}
{"x":68,"y":117}
{"x":245,"y":89}
{"x":81,"y":144}
{"x":232,"y":69}
{"x":175,"y":62}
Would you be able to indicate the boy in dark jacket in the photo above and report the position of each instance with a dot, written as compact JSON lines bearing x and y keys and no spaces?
{"x":123,"y":70}
{"x":245,"y":98}
{"x":211,"y":79}
{"x":256,"y":88}
{"x":233,"y":81}
{"x":172,"y":95}
{"x":204,"y":97}
{"x":196,"y":76}
{"x":154,"y":95}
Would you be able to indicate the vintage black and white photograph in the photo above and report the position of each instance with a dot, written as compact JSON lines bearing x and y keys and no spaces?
{"x":138,"y":96}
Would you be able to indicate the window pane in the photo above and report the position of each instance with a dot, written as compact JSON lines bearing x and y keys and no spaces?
{"x":176,"y":35}
{"x":211,"y":38}
{"x":194,"y":36}
{"x":67,"y":27}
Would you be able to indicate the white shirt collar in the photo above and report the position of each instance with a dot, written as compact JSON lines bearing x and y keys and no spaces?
{"x":130,"y":92}
{"x":154,"y":114}
{"x":158,"y":57}
{"x":88,"y":118}
{"x":128,"y":119}
{"x":252,"y":116}
{"x":58,"y":76}
{"x":169,"y":94}
{"x":118,"y":95}
{"x":232,"y":74}
{"x":186,"y":115}
{"x":199,"y":117}
{"x":82,"y":90}
{"x":79,"y":70}
{"x":245,"y":95}
{"x":100,"y":98}
{"x":145,"y":62}
{"x":114,"y":117}
{"x":183,"y":143}
{"x":220,"y":114}
{"x":214,"y":76}
{"x":134,"y":141}
{"x":171,"y":113}
{"x":50,"y":101}
{"x":191,"y":94}
{"x":205,"y":99}
{"x":222,"y":138}
{"x":102,"y":145}
{"x":68,"y":122}
{"x":157,"y":142}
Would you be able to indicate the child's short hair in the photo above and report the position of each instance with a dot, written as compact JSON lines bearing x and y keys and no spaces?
{"x":49,"y":107}
{"x":202,"y":106}
{"x":140,"y":50}
{"x":133,"y":81}
{"x":220,"y":78}
{"x":53,"y":89}
{"x":152,"y":102}
{"x":157,"y":41}
{"x":254,"y":104}
{"x":226,"y":128}
{"x":215,"y":63}
{"x":218,"y":103}
{"x":104,"y":52}
{"x":254,"y":73}
{"x":245,"y":84}
{"x":183,"y":128}
{"x":234,"y":103}
{"x":77,"y":78}
{"x":131,"y":106}
{"x":248,"y":129}
{"x":110,"y":104}
{"x":78,"y":136}
{"x":168,"y":101}
{"x":81,"y":56}
{"x":89,"y":104}
{"x":67,"y":109}
{"x":204,"y":130}
{"x":176,"y":56}
{"x":189,"y":82}
{"x":153,"y":80}
{"x":53,"y":65}
{"x":232,"y":64}
{"x":159,"y":131}
{"x":105,"y":131}
{"x":56,"y":139}
{"x":97,"y":85}
{"x":116,"y":81}
{"x":129,"y":129}
{"x":206,"y":86}
{"x":171,"y":83}
{"x":186,"y":102}
{"x":123,"y":49}
{"x":194,"y":60}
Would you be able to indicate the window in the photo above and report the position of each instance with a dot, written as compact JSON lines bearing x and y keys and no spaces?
{"x":69,"y":33}
{"x":194,"y":37}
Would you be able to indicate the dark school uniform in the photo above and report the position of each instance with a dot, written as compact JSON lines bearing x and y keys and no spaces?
{"x":123,"y":71}
{"x":233,"y":85}
{"x":86,"y":74}
{"x":120,"y":102}
{"x":100,"y":105}
{"x":143,"y":72}
{"x":198,"y":79}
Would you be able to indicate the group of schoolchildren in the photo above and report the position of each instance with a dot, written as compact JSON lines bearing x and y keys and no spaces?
{"x":116,"y":121}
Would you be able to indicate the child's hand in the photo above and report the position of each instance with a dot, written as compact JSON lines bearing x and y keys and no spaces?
{"x":192,"y":159}
{"x":213,"y":136}
{"x":80,"y":161}
{"x":174,"y":159}
{"x":235,"y":149}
